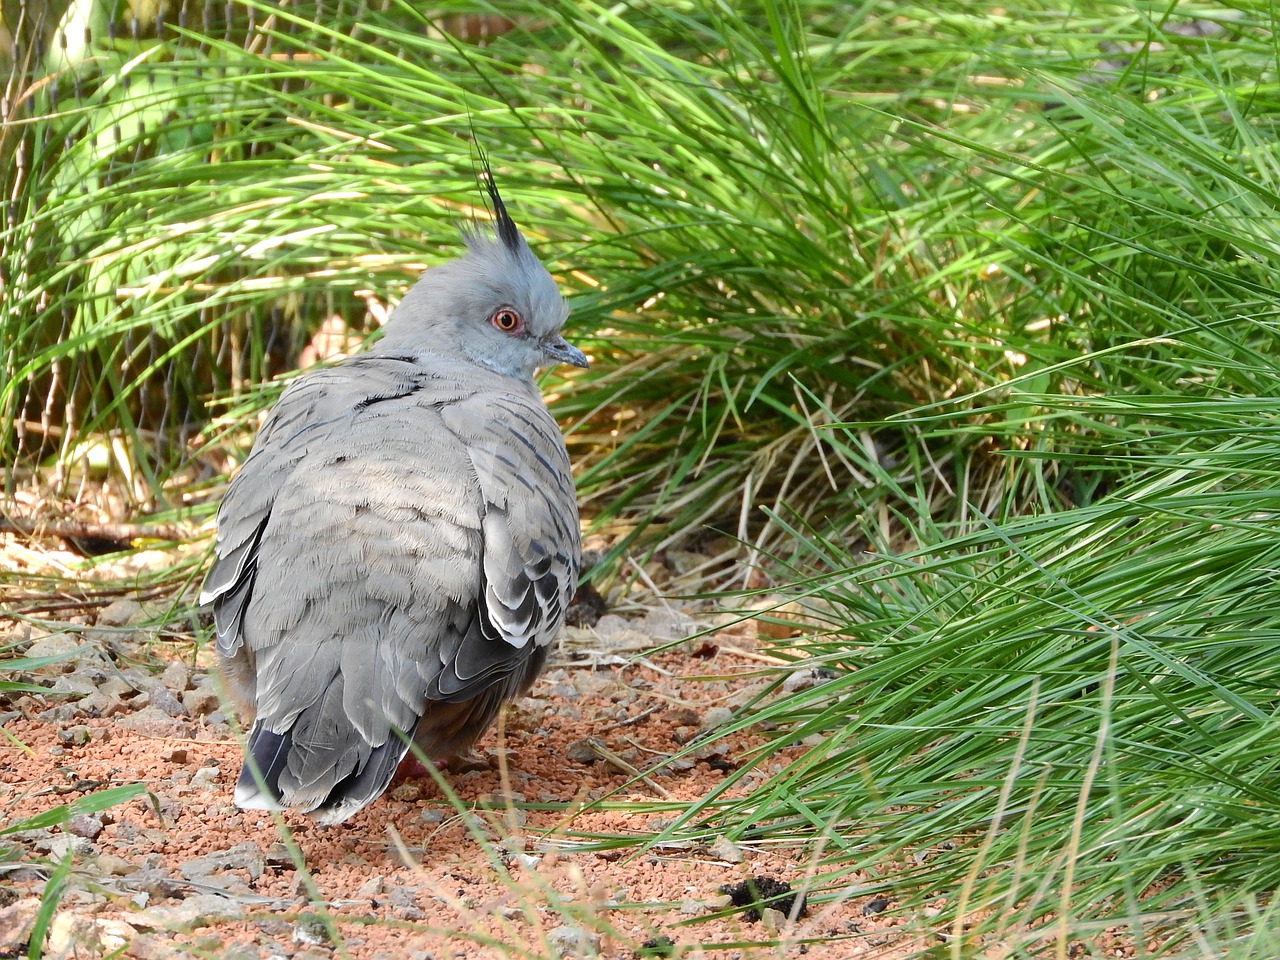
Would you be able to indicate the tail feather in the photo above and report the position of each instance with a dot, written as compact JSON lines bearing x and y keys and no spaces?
{"x":267,"y":758}
{"x":322,"y":765}
{"x":258,"y":787}
{"x":366,"y":784}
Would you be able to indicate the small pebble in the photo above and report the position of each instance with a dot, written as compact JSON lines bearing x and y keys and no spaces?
{"x":773,"y":919}
{"x":726,"y":850}
{"x":117,"y":688}
{"x":564,"y":691}
{"x":203,"y":702}
{"x":310,"y":930}
{"x":176,"y":676}
{"x":54,"y":645}
{"x":78,"y":847}
{"x":83,"y":825}
{"x":162,"y":699}
{"x":157,"y":884}
{"x":74,"y":683}
{"x":206,"y":778}
{"x":682,"y":717}
{"x":874,"y":906}
{"x":611,"y":623}
{"x":582,"y":751}
{"x":667,"y":624}
{"x":188,"y":914}
{"x":151,"y":721}
{"x":278,"y":857}
{"x":715,"y":718}
{"x":113,"y":866}
{"x":121,"y":613}
{"x":572,"y":941}
{"x":75,"y":736}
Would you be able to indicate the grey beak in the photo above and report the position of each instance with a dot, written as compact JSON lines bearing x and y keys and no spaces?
{"x":559,"y":350}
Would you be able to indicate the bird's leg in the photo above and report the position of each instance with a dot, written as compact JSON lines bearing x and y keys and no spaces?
{"x":411,"y":768}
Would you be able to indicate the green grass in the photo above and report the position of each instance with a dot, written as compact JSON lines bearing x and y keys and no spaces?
{"x":1064,"y":716}
{"x":988,"y":292}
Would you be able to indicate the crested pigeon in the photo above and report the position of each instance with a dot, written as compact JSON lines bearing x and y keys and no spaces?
{"x":395,"y":557}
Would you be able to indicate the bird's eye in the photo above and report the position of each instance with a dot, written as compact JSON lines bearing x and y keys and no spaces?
{"x":507,"y":320}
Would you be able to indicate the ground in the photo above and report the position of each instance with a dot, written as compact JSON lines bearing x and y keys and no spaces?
{"x":630,"y":719}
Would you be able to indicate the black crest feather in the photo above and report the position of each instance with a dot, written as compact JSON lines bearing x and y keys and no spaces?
{"x":508,"y":233}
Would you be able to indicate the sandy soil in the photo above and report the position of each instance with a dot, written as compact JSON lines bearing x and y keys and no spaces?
{"x":508,"y":869}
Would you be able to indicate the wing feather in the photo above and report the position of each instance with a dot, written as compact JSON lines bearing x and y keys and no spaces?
{"x":396,"y":537}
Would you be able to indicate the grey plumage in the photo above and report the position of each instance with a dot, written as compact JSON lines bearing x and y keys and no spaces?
{"x":395,"y":556}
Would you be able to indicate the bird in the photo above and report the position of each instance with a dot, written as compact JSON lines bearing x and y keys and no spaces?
{"x":394,"y":558}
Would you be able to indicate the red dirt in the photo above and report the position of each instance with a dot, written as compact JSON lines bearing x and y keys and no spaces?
{"x":412,"y":876}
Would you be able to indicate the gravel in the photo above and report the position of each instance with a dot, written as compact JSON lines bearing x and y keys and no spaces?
{"x":183,"y":868}
{"x":200,"y":910}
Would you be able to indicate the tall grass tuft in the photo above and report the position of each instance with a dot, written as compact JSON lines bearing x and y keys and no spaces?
{"x":1050,"y":724}
{"x":768,"y":218}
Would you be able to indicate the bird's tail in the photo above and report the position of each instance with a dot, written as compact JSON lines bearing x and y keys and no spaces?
{"x":267,"y":758}
{"x":266,"y":755}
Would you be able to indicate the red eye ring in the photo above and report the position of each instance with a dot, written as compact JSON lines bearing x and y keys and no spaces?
{"x":507,"y":320}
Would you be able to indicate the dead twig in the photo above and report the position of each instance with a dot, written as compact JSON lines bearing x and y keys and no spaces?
{"x":118,"y":535}
{"x":611,"y":758}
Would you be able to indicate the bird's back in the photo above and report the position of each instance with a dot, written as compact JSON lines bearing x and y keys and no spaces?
{"x":393,"y":561}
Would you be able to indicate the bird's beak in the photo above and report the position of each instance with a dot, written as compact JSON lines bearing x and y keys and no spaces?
{"x":559,"y":350}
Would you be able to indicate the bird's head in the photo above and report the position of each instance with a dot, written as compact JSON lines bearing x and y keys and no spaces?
{"x":495,"y":306}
